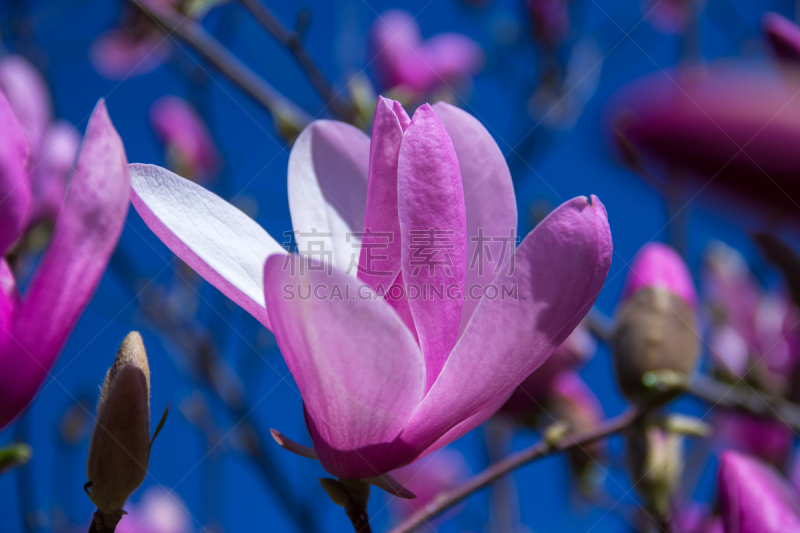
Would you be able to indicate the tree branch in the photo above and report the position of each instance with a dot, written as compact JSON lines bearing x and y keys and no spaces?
{"x":541,"y":449}
{"x":291,"y":40}
{"x":218,"y":55}
{"x":747,"y":399}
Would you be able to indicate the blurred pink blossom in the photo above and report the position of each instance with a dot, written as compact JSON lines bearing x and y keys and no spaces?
{"x":783,"y":36}
{"x":158,"y":511}
{"x":428,"y":477}
{"x":191,"y":151}
{"x":755,"y":498}
{"x":733,"y":126}
{"x":550,"y":19}
{"x":767,"y":439}
{"x":404,"y":59}
{"x":35,"y":325}
{"x":668,"y":16}
{"x":370,"y":409}
{"x":52,"y":145}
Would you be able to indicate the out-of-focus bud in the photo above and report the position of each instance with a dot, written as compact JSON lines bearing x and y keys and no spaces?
{"x":783,"y":36}
{"x":656,"y":462}
{"x":550,"y":20}
{"x":27,"y":92}
{"x":120,"y":446}
{"x":668,"y":16}
{"x":427,"y":478}
{"x":769,"y":440}
{"x":14,"y":455}
{"x":755,"y":498}
{"x":527,"y":399}
{"x":158,"y":511}
{"x":573,"y":402}
{"x":698,"y":118}
{"x":402,"y":58}
{"x":655,"y":343}
{"x":191,"y":151}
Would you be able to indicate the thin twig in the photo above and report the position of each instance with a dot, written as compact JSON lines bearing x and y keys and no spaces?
{"x":746,"y":399}
{"x":218,"y":55}
{"x":541,"y":449}
{"x":292,"y":41}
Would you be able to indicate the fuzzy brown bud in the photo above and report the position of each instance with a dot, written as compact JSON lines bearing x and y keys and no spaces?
{"x":120,"y":447}
{"x":656,"y":335}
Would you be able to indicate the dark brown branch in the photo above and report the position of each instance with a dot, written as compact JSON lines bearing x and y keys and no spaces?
{"x":745,"y":398}
{"x":292,"y":41}
{"x":542,"y":449}
{"x":191,"y":32}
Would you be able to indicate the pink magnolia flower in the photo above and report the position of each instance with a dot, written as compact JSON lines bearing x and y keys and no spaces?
{"x":190,"y":148}
{"x":658,"y":265}
{"x":783,"y":36}
{"x":427,"y":478}
{"x":755,"y":498}
{"x":532,"y":393}
{"x":386,"y":375}
{"x":737,"y":123}
{"x":158,"y":511}
{"x":404,"y":59}
{"x":137,"y":46}
{"x":35,"y":326}
{"x":753,"y":330}
{"x":52,"y":145}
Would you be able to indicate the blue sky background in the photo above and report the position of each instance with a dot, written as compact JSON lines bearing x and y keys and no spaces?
{"x":573,"y":163}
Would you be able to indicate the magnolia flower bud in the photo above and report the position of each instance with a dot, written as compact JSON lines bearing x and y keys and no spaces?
{"x":120,"y":447}
{"x":656,"y":335}
{"x":656,"y":464}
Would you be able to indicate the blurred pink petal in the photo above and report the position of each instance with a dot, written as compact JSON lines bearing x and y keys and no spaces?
{"x":738,"y":124}
{"x":186,"y":138}
{"x":85,"y":234}
{"x":428,"y":477}
{"x":755,"y":498}
{"x":532,"y":393}
{"x":157,"y":511}
{"x":657,"y":265}
{"x":117,"y":54}
{"x":783,"y":36}
{"x":767,"y":439}
{"x":366,"y":407}
{"x":15,"y":193}
{"x":550,"y":19}
{"x":404,"y":59}
{"x":27,"y":92}
{"x":53,"y":168}
{"x":668,"y":16}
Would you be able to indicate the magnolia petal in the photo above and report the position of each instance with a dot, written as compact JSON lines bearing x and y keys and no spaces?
{"x":358,"y":395}
{"x":53,"y":167}
{"x":328,"y":169}
{"x":783,"y":36}
{"x":433,"y":226}
{"x":85,"y":235}
{"x":15,"y":193}
{"x":216,"y":239}
{"x":29,"y":96}
{"x":295,"y":447}
{"x":559,"y":270}
{"x":379,"y":263}
{"x":488,"y":198}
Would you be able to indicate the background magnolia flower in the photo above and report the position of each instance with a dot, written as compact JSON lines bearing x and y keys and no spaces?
{"x":656,"y":326}
{"x":734,"y":122}
{"x":769,"y":440}
{"x":532,"y":393}
{"x":427,"y":478}
{"x":550,"y":19}
{"x":404,"y":59}
{"x":371,"y":410}
{"x":52,"y":144}
{"x":783,"y":36}
{"x":191,"y":151}
{"x":755,"y":498}
{"x":157,"y":511}
{"x":668,"y":16}
{"x":35,"y":326}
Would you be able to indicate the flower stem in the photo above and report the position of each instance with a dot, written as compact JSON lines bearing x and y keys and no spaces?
{"x":541,"y":449}
{"x":191,"y":32}
{"x":359,"y":518}
{"x":292,"y":41}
